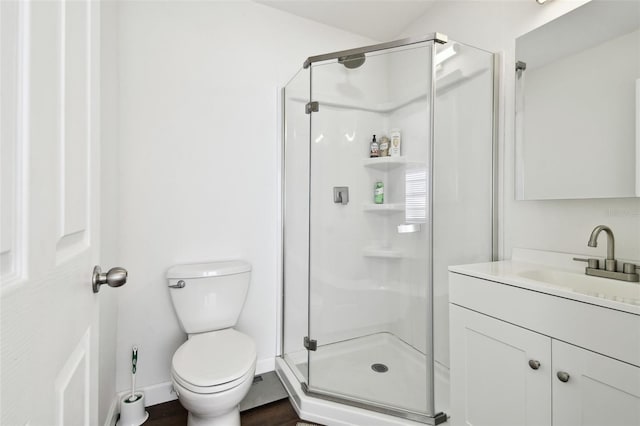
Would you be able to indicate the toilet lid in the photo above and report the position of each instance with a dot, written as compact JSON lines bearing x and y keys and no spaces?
{"x":214,"y":358}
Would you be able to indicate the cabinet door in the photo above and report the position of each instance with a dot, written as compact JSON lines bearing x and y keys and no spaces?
{"x":599,"y":390}
{"x":492,"y":382}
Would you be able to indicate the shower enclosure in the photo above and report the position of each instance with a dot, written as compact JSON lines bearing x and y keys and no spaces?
{"x":365,"y":303}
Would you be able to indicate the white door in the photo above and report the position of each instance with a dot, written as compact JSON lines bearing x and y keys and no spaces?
{"x":50,"y":199}
{"x":500,"y":373}
{"x":597,"y":390}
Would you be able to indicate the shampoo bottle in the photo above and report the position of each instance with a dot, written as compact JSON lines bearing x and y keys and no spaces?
{"x":394,"y":148}
{"x":383,"y":150}
{"x":373,"y":148}
{"x":378,"y":193}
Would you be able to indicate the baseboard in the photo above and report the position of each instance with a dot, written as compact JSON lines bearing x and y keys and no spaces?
{"x":163,"y":392}
{"x":157,"y":394}
{"x":265,"y":365}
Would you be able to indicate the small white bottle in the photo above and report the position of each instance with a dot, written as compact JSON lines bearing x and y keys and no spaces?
{"x":384,"y":146}
{"x":394,"y":148}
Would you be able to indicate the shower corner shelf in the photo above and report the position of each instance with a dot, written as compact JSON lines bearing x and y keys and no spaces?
{"x":382,"y":252}
{"x":384,"y":163}
{"x":383,"y":208}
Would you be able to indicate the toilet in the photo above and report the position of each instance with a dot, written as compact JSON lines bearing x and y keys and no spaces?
{"x":213,"y":370}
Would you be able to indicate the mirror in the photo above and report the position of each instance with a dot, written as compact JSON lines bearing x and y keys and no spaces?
{"x":578,"y":105}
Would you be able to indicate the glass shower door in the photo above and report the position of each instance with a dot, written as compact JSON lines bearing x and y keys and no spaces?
{"x":370,"y":299}
{"x":295,"y":221}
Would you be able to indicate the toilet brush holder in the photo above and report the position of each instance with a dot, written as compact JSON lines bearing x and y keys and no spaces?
{"x":132,"y":412}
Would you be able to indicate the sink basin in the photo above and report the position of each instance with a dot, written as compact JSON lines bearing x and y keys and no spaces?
{"x":619,"y":291}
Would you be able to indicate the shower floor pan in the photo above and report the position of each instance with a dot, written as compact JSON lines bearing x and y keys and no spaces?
{"x":378,"y":368}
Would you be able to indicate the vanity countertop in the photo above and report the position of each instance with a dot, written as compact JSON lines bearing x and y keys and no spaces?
{"x":559,"y":275}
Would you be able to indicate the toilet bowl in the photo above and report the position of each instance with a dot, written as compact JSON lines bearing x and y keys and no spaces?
{"x":212,"y":373}
{"x":213,"y":370}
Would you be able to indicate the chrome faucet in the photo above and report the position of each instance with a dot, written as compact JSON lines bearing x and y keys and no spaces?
{"x":610,"y":261}
{"x":628,"y":272}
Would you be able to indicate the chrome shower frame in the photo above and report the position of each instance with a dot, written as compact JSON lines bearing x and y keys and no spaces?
{"x":437,"y":38}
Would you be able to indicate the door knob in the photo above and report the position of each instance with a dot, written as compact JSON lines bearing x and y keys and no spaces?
{"x":534,"y":364}
{"x":115,"y":277}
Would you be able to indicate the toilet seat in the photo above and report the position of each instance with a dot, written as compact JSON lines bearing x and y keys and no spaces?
{"x":214,"y":362}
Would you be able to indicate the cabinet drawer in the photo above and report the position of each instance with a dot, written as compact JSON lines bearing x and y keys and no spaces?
{"x":602,"y":330}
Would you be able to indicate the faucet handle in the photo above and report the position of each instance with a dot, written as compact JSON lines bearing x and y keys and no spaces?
{"x":591,"y":262}
{"x":630,"y":268}
{"x":610,"y":265}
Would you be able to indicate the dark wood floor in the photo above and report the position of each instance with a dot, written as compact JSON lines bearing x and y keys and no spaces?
{"x":279,"y":413}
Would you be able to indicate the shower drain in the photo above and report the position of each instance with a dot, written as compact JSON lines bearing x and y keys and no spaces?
{"x":379,"y":368}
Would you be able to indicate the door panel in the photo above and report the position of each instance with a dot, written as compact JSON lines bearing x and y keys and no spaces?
{"x":600,"y":390}
{"x":74,"y":125}
{"x":72,"y":395}
{"x":50,"y":53}
{"x":492,"y":383}
{"x":12,"y":129}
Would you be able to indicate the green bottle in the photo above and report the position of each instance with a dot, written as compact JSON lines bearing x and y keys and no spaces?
{"x":378,"y":193}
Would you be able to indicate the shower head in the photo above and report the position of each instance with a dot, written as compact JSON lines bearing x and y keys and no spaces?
{"x":352,"y":61}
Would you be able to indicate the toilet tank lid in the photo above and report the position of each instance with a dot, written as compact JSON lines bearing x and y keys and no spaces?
{"x":209,"y":269}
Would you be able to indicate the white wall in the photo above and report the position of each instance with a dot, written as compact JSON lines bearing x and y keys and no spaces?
{"x":559,"y":225}
{"x":199,"y":159}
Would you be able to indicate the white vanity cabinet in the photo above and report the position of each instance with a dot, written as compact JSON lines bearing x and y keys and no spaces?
{"x":524,"y":357}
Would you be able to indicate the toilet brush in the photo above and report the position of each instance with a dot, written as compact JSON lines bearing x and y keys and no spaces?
{"x":134,"y":363}
{"x":132,"y":412}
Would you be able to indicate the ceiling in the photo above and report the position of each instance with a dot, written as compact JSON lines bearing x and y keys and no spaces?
{"x":381,"y":20}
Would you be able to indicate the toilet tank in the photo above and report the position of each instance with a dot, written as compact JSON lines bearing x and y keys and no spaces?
{"x":208,"y":296}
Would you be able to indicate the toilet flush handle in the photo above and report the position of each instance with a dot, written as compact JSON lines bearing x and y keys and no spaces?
{"x":179,"y":284}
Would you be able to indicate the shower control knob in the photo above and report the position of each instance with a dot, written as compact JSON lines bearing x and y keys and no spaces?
{"x":534,"y":364}
{"x":115,"y":277}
